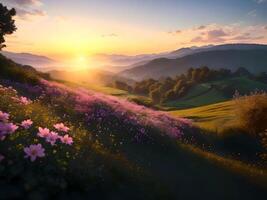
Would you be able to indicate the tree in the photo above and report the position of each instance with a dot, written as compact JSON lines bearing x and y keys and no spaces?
{"x":7,"y":23}
{"x":155,"y":96}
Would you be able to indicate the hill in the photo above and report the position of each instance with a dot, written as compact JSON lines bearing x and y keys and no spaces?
{"x":211,"y":117}
{"x":120,"y":62}
{"x":253,"y":60}
{"x":99,"y":146}
{"x":216,"y":91}
{"x":23,"y":73}
{"x":37,"y":61}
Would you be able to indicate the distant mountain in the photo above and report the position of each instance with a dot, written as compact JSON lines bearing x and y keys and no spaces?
{"x":117,"y":63}
{"x":36,"y":61}
{"x":252,"y":58}
{"x":192,"y":50}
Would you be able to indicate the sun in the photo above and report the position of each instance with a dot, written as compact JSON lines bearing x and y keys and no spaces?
{"x":81,"y":62}
{"x":81,"y":59}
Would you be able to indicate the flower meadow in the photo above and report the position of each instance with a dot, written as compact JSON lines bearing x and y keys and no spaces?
{"x":60,"y":137}
{"x":60,"y":142}
{"x":110,"y":111}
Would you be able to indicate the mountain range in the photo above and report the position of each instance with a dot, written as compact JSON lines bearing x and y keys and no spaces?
{"x":39,"y":62}
{"x":231,"y":56}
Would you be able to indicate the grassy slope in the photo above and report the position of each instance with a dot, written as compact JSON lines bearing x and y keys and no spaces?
{"x":179,"y":169}
{"x":183,"y":171}
{"x":208,"y":93}
{"x":214,"y":117}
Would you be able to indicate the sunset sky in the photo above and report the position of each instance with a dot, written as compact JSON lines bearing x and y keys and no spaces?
{"x":68,"y":28}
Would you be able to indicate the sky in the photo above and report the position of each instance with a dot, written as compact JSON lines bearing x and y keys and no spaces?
{"x":77,"y":28}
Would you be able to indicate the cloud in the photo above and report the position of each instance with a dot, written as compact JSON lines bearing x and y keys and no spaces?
{"x":26,"y":14}
{"x":27,"y":9}
{"x":260,"y":1}
{"x":252,"y":13}
{"x":197,"y":39}
{"x":218,"y":34}
{"x":247,"y":36}
{"x":110,"y":35}
{"x":265,"y":27}
{"x":202,"y":27}
{"x":175,"y":32}
{"x":215,"y":35}
{"x":26,"y":2}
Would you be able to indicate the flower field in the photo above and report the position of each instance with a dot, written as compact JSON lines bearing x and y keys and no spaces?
{"x":58,"y":142}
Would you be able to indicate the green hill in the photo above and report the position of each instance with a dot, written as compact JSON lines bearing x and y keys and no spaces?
{"x":214,"y":117}
{"x":119,"y":151}
{"x":215,"y":92}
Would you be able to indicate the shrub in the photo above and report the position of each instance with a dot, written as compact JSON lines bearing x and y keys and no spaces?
{"x":251,"y":112}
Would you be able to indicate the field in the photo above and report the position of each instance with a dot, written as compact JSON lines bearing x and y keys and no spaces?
{"x":215,"y":92}
{"x":92,"y":142}
{"x":215,"y":117}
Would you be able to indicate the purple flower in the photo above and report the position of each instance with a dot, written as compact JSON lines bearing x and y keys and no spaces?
{"x":34,"y":151}
{"x":52,"y":138}
{"x":4,"y":116}
{"x":7,"y":128}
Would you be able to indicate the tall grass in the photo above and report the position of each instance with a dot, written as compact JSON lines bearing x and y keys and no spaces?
{"x":251,"y":112}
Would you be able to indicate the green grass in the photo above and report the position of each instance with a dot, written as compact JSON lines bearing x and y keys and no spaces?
{"x":160,"y":169}
{"x":215,"y":117}
{"x":214,"y":92}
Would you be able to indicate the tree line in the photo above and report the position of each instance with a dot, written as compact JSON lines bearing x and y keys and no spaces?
{"x":169,"y":89}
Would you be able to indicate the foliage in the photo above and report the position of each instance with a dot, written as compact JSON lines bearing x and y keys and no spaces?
{"x":169,"y":89}
{"x":7,"y":23}
{"x":251,"y":112}
{"x":16,"y":72}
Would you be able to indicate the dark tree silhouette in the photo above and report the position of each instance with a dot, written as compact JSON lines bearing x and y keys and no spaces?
{"x":7,"y":23}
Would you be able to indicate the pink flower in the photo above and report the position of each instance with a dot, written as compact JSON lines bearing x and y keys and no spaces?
{"x":34,"y":151}
{"x":66,"y":139}
{"x":24,"y":100}
{"x":52,"y":138}
{"x":43,"y":132}
{"x":61,"y":127}
{"x":4,"y":116}
{"x":26,"y":123}
{"x":7,"y":128}
{"x":2,"y":157}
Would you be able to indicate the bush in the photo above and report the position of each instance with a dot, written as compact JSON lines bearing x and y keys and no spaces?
{"x":251,"y":112}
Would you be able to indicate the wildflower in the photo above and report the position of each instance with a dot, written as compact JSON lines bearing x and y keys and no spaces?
{"x":24,"y":100}
{"x":61,"y":127}
{"x":4,"y":116}
{"x":34,"y":151}
{"x":2,"y":157}
{"x":52,"y":138}
{"x":7,"y":128}
{"x":66,"y":139}
{"x":26,"y":123}
{"x":43,"y":132}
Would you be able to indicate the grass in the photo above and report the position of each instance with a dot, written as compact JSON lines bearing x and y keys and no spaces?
{"x":215,"y":92}
{"x":161,"y":168}
{"x":214,"y":118}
